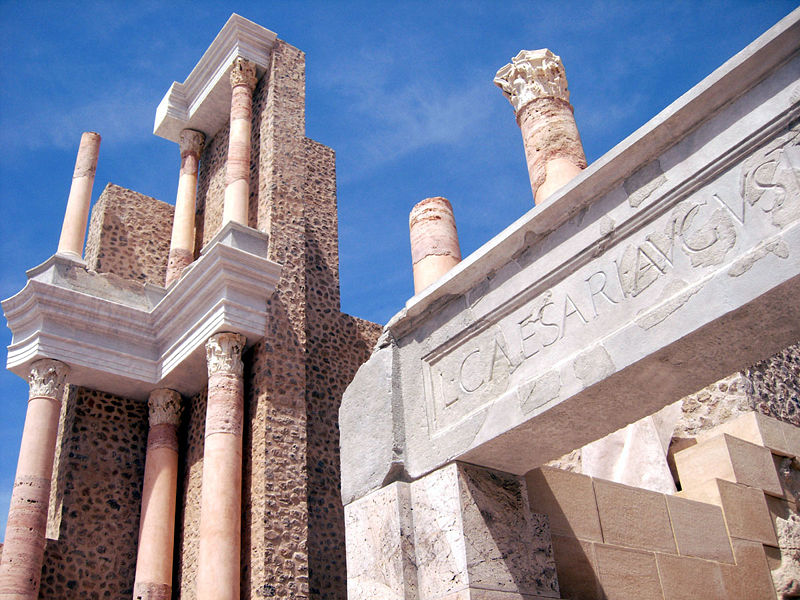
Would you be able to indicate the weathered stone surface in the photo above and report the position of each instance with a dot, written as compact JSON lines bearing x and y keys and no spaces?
{"x":511,"y":368}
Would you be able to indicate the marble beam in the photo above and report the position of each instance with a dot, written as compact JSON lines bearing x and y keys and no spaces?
{"x":536,"y":85}
{"x":73,"y":230}
{"x":434,"y":241}
{"x":157,"y":524}
{"x":237,"y":174}
{"x":181,"y":248}
{"x":23,"y":551}
{"x":221,"y":504}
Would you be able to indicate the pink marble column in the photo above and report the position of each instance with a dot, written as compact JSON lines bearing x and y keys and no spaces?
{"x":181,"y":248}
{"x":73,"y":230}
{"x":157,"y":524}
{"x":536,"y":85}
{"x":434,"y":241}
{"x":23,"y":551}
{"x":237,"y":173}
{"x":218,"y":570}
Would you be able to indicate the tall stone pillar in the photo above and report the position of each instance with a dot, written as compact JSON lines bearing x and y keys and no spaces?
{"x":221,"y":504}
{"x":434,"y":241}
{"x":181,"y":248}
{"x":23,"y":551}
{"x":237,"y":174}
{"x":73,"y":230}
{"x":536,"y":85}
{"x":157,"y":524}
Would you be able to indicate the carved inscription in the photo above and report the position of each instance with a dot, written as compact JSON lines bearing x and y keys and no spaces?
{"x":643,"y":277}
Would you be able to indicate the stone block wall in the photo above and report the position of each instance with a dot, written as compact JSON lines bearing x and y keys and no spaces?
{"x":97,"y":484}
{"x":129,"y":235}
{"x":728,"y":534}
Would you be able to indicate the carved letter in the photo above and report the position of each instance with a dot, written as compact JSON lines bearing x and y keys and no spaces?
{"x":569,"y":313}
{"x":461,"y":373}
{"x":551,"y":325}
{"x":593,"y":293}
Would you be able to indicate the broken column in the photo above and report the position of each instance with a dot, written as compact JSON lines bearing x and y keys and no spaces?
{"x":181,"y":248}
{"x":221,"y":504}
{"x":237,"y":174}
{"x":434,"y":241}
{"x":536,"y":85}
{"x":23,"y":552}
{"x":73,"y":230}
{"x":157,"y":524}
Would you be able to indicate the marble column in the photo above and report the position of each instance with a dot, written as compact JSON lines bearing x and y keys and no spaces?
{"x":157,"y":524}
{"x":221,"y":505}
{"x":73,"y":230}
{"x":237,"y":170}
{"x":181,"y":248}
{"x":23,"y":551}
{"x":536,"y":85}
{"x":434,"y":241}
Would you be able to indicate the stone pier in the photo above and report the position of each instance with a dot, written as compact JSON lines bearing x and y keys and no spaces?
{"x":221,"y":505}
{"x":181,"y":249}
{"x":434,"y":241}
{"x":23,"y":552}
{"x":73,"y":231}
{"x":237,"y":176}
{"x":536,"y":85}
{"x":157,"y":525}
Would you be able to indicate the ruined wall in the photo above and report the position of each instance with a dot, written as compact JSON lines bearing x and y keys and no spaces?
{"x":129,"y":235}
{"x":100,"y":469}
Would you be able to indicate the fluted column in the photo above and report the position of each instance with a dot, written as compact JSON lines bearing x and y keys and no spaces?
{"x":157,"y":523}
{"x":434,"y":241}
{"x":536,"y":85}
{"x":73,"y":230}
{"x":23,"y":551}
{"x":181,"y":248}
{"x":221,"y":505}
{"x":237,"y":173}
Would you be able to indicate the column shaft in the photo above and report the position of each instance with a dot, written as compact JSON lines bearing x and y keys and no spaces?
{"x":23,"y":551}
{"x":536,"y":85}
{"x":181,"y":248}
{"x":73,"y":230}
{"x":218,"y":571}
{"x":157,"y":524}
{"x":434,"y":241}
{"x":237,"y":174}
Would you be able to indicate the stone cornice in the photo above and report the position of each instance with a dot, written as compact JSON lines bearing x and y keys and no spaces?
{"x":126,"y":338}
{"x":202,"y":101}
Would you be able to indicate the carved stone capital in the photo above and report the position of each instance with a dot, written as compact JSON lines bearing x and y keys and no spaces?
{"x":164,"y":407}
{"x":243,"y":73}
{"x":192,"y":142}
{"x":47,"y":378}
{"x":224,"y":353}
{"x":532,"y":74}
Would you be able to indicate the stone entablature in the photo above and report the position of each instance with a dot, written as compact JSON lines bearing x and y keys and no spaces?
{"x":123,"y":337}
{"x":202,"y":102}
{"x":621,"y":293}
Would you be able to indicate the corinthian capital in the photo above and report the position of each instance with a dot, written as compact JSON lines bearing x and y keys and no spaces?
{"x":192,"y":142}
{"x":532,"y":74}
{"x":243,"y":73}
{"x":47,"y":378}
{"x":164,"y":407}
{"x":224,"y":353}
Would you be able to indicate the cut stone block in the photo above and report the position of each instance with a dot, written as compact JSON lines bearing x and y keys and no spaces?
{"x":576,"y":568}
{"x":567,"y":499}
{"x":684,"y":578}
{"x":755,"y":428}
{"x":380,"y":548}
{"x":473,"y":532}
{"x":750,"y":577}
{"x":699,"y":529}
{"x":730,"y":458}
{"x":627,"y":574}
{"x":633,"y":517}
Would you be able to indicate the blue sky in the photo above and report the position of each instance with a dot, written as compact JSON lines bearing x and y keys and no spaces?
{"x":401,"y":90}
